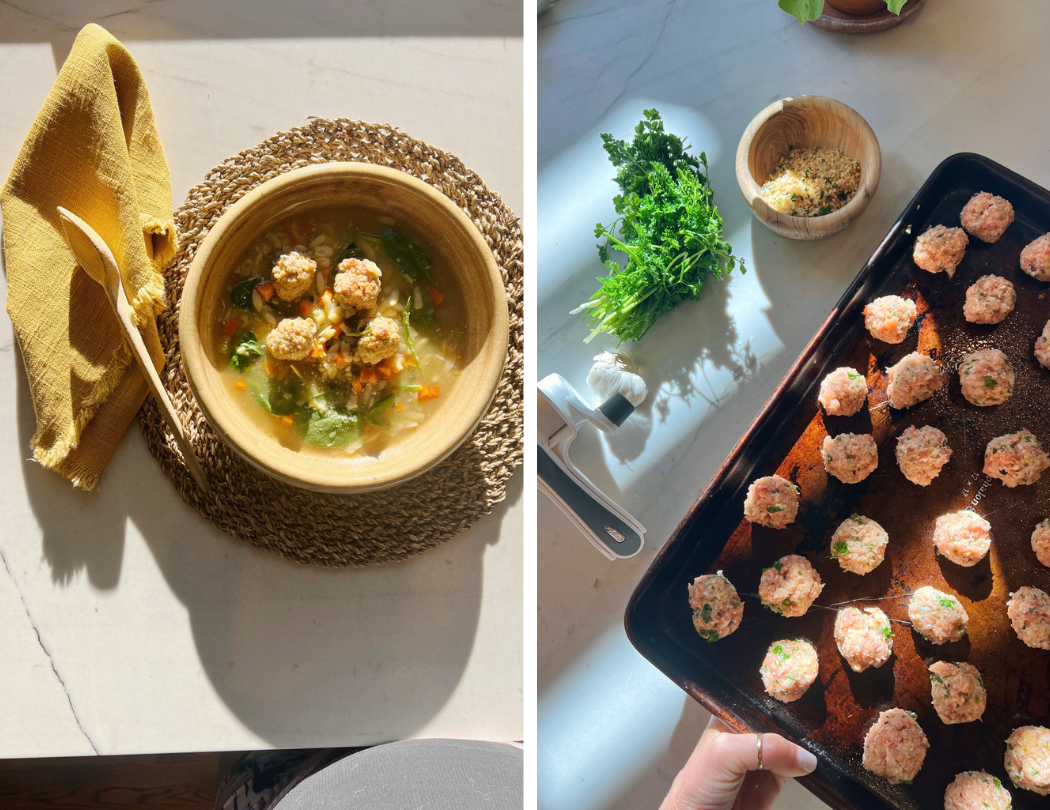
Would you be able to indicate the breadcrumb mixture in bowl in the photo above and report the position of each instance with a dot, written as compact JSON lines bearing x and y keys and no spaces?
{"x":811,"y":182}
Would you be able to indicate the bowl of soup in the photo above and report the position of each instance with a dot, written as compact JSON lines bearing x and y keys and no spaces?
{"x":343,"y":327}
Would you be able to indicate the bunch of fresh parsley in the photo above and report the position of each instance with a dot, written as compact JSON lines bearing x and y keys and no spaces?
{"x":669,"y":230}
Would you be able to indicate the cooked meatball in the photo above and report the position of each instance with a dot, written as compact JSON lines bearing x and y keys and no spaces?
{"x":921,"y":453}
{"x":850,"y":457}
{"x":771,"y":501}
{"x":963,"y":537}
{"x":889,"y":318}
{"x":1035,"y":258}
{"x":1016,"y":458}
{"x":937,"y":616}
{"x":1041,"y":542}
{"x":986,"y":376}
{"x":859,"y":544}
{"x":989,"y":300}
{"x":958,"y":692}
{"x":1027,"y":759}
{"x":381,"y":340}
{"x":789,"y":669}
{"x":790,"y":586}
{"x":986,"y":216}
{"x":864,"y":637}
{"x":976,"y":790}
{"x":717,"y":609}
{"x":1029,"y":612}
{"x":895,"y":746}
{"x":940,"y":249}
{"x":357,"y":284}
{"x":843,"y":392}
{"x":1042,"y":347}
{"x":293,"y":275}
{"x":915,"y":378}
{"x":292,"y":339}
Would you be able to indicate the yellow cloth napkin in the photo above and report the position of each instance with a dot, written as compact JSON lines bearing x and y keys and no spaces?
{"x":93,"y":149}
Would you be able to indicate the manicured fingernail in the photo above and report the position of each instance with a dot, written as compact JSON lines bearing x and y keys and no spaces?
{"x":806,"y":761}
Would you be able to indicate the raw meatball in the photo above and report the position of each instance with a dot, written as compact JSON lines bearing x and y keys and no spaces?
{"x":963,"y":537}
{"x":293,"y":275}
{"x":381,"y":340}
{"x":889,"y":318}
{"x":850,"y":457}
{"x":717,"y":609}
{"x":937,"y":616}
{"x":292,"y":339}
{"x":357,"y":284}
{"x":771,"y":501}
{"x":1035,"y":258}
{"x":1041,"y":542}
{"x":958,"y":692}
{"x":940,"y":249}
{"x":986,"y":376}
{"x":976,"y":790}
{"x":915,"y":378}
{"x":864,"y":637}
{"x":989,"y":300}
{"x":1017,"y":458}
{"x":859,"y":544}
{"x":895,"y":746}
{"x":1029,"y":612}
{"x":789,"y":669}
{"x":921,"y":453}
{"x":843,"y":392}
{"x":1027,"y":758}
{"x":987,"y":216}
{"x":790,"y":586}
{"x":1042,"y":347}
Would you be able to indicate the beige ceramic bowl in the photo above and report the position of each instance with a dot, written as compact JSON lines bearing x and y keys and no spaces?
{"x":809,"y":122}
{"x":425,"y":214}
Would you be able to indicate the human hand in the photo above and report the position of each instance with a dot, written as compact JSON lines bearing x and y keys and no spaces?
{"x":722,"y":774}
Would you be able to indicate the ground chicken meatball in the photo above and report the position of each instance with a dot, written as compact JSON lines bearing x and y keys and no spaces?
{"x":293,"y":275}
{"x":772,"y":502}
{"x":914,"y":379}
{"x":986,"y":376}
{"x":989,"y":300}
{"x":1027,"y":759}
{"x":958,"y":692}
{"x":1029,"y":612}
{"x":850,"y":457}
{"x":937,"y":616}
{"x":789,"y":669}
{"x":790,"y":586}
{"x":1014,"y":459}
{"x":843,"y":392}
{"x":976,"y":790}
{"x":1035,"y":258}
{"x":357,"y":284}
{"x":864,"y":637}
{"x":986,"y":216}
{"x":940,"y":249}
{"x":1042,"y":347}
{"x":292,"y":339}
{"x":1041,"y":542}
{"x":717,"y":609}
{"x":895,"y":746}
{"x":859,"y":544}
{"x":889,"y":318}
{"x":921,"y":453}
{"x":381,"y":340}
{"x":963,"y":537}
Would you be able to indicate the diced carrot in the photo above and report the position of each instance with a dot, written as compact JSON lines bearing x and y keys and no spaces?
{"x":317,"y":352}
{"x":340,"y":359}
{"x":400,"y":407}
{"x":358,"y":388}
{"x":436,"y":297}
{"x":385,"y":370}
{"x":368,"y":375}
{"x":287,"y":225}
{"x":230,"y":327}
{"x":311,"y":229}
{"x":287,"y":421}
{"x":270,"y":367}
{"x":241,"y":385}
{"x":305,"y":308}
{"x":266,"y":290}
{"x":430,"y":392}
{"x":410,"y":362}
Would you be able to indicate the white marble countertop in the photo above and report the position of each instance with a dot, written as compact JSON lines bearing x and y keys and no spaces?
{"x":959,"y":76}
{"x":127,"y":622}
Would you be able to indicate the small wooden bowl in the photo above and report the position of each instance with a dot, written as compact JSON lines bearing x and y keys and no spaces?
{"x":809,"y":122}
{"x":428,"y":215}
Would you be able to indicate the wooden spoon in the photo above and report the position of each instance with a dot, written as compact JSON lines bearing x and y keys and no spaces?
{"x":97,"y":260}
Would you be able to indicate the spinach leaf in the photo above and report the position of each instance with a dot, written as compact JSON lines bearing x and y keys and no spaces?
{"x":277,"y":396}
{"x":246,"y":350}
{"x":241,"y":294}
{"x":379,"y":413}
{"x":351,"y":251}
{"x":406,"y":254}
{"x":330,"y":426}
{"x":424,"y":316}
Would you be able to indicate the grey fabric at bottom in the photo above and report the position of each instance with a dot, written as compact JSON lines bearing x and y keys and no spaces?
{"x":417,"y":775}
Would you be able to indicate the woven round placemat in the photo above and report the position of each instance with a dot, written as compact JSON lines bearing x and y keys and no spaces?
{"x":345,"y":530}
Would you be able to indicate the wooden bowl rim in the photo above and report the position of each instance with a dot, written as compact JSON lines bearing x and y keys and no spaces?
{"x":325,"y":478}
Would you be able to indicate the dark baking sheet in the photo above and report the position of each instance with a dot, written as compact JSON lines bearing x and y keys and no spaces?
{"x":834,"y":715}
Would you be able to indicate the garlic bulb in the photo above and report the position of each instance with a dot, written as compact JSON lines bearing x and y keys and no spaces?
{"x":616,"y":373}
